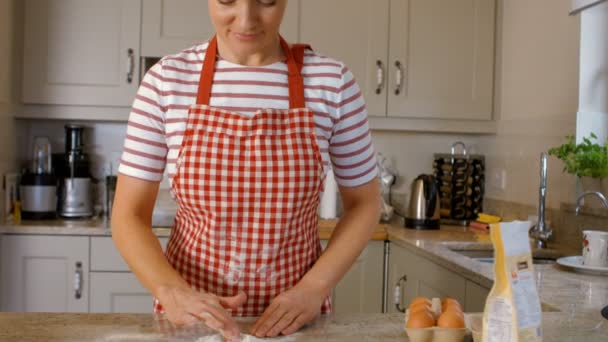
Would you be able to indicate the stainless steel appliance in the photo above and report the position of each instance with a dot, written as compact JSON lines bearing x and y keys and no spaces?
{"x":38,"y":186}
{"x":76,"y":198}
{"x":424,"y":204}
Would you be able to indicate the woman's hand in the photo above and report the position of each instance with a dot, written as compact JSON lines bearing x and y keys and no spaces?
{"x":289,"y":311}
{"x":184,"y":306}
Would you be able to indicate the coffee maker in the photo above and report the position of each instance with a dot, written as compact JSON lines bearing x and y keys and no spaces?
{"x":38,"y":186}
{"x":75,"y":190}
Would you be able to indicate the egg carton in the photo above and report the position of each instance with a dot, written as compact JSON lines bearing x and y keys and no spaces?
{"x":437,"y":334}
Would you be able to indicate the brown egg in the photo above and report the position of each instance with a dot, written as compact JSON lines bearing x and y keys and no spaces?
{"x":415,"y":306}
{"x":451,"y":319}
{"x":420,"y":308}
{"x":449,"y":302}
{"x":418,"y":300}
{"x":420,"y":319}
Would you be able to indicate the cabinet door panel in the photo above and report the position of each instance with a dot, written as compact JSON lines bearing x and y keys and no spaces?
{"x":423,"y":278}
{"x":39,"y":273}
{"x":169,"y":26}
{"x":354,"y":32}
{"x":105,"y":257}
{"x":446,"y":49}
{"x":476,"y":295}
{"x":360,"y":291}
{"x":76,"y":52}
{"x":119,"y":292}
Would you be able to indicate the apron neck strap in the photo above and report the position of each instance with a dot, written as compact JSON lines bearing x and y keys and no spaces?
{"x":295,"y":62}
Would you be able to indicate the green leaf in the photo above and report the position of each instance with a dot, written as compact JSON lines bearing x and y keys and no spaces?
{"x":587,"y":159}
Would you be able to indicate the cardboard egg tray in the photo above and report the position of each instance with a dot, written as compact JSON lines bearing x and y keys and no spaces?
{"x":437,"y":334}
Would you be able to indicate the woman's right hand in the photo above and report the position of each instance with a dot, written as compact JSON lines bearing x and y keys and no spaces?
{"x":183,"y":306}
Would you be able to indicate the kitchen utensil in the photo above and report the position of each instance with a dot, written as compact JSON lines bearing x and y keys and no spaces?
{"x":38,"y":186}
{"x":575,"y":263}
{"x":462,"y":179}
{"x":424,"y":204}
{"x":76,"y":199}
{"x":595,"y":248}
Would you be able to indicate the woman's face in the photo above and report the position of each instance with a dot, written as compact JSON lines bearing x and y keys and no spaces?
{"x":247,"y":27}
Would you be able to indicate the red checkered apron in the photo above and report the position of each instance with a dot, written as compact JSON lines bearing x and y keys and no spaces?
{"x":248,"y":191}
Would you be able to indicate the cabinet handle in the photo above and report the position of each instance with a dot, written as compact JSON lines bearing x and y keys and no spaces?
{"x":78,"y":280}
{"x":379,"y":77}
{"x":130,"y":65}
{"x":398,"y":78}
{"x":397,"y":294}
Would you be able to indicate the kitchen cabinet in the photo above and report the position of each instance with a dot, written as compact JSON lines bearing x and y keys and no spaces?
{"x":418,"y":276}
{"x":119,"y":292}
{"x":169,"y":26}
{"x":475,"y":297}
{"x":421,"y":64}
{"x":81,"y":52}
{"x":113,"y":287}
{"x":360,"y":290}
{"x":45,"y":273}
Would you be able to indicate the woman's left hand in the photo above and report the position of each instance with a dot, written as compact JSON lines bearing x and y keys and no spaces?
{"x":289,"y":311}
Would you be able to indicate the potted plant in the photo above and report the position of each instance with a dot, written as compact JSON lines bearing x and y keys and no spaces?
{"x":588,"y":161}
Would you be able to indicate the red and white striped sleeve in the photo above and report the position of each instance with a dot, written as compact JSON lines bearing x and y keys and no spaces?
{"x":145,"y":148}
{"x":350,"y":147}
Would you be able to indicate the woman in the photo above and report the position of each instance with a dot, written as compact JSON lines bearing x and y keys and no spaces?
{"x":246,"y":127}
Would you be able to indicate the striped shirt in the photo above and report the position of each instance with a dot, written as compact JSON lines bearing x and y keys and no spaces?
{"x":158,"y":117}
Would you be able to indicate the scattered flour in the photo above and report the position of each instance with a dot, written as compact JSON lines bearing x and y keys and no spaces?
{"x":244,"y":338}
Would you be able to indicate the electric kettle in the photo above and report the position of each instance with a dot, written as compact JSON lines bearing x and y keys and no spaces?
{"x":424,"y":204}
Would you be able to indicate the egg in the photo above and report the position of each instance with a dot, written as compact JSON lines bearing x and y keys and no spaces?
{"x":420,"y":319}
{"x":418,"y":308}
{"x":418,"y":300}
{"x":449,"y":302}
{"x":451,"y":319}
{"x":419,"y":305}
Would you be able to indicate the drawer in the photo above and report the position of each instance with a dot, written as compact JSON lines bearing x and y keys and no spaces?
{"x":105,"y":256}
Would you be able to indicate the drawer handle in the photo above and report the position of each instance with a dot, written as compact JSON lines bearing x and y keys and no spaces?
{"x":397,"y":293}
{"x":398,"y":78}
{"x":379,"y":77}
{"x":130,"y":65}
{"x":78,"y":280}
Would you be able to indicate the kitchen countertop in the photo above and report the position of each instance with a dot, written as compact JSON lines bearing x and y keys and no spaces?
{"x":101,"y":227}
{"x":571,"y":301}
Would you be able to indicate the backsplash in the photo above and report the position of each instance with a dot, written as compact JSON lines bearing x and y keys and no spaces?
{"x":566,"y":225}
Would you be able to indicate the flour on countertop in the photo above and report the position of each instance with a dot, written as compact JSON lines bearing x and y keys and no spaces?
{"x":244,"y":338}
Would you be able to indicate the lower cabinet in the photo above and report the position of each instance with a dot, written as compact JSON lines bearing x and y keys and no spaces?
{"x":45,"y":273}
{"x":118,"y":292}
{"x":418,"y":276}
{"x":360,"y":290}
{"x":113,"y":288}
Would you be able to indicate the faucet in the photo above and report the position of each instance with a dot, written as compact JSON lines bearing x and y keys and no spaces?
{"x":541,"y":232}
{"x":596,"y":193}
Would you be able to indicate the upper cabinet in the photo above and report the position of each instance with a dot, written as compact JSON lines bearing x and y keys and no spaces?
{"x":81,"y":52}
{"x":423,"y":65}
{"x":169,"y":26}
{"x":415,"y":60}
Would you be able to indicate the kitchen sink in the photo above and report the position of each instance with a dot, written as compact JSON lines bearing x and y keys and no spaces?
{"x":485,"y":253}
{"x":536,"y":261}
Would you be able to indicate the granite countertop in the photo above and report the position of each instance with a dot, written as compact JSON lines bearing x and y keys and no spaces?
{"x":571,"y":301}
{"x":101,"y":227}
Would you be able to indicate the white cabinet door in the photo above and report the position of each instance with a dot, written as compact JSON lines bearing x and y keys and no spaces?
{"x":81,"y":52}
{"x":360,"y":290}
{"x":106,"y":258}
{"x":119,"y":292}
{"x":169,"y":26}
{"x":418,"y":276}
{"x":356,"y":33}
{"x":45,"y":273}
{"x":446,"y":54}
